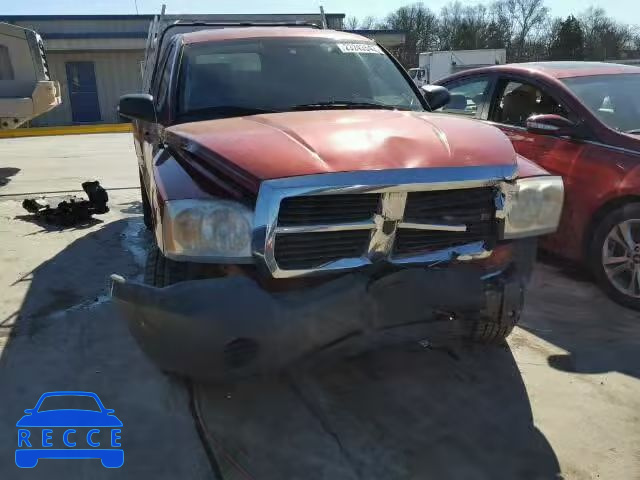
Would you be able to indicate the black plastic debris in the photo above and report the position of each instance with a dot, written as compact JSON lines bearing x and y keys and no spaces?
{"x":68,"y":210}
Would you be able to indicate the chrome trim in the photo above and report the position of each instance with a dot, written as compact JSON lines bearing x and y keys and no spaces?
{"x":399,"y":181}
{"x":614,"y":147}
{"x":433,"y":226}
{"x":464,"y":253}
{"x":337,"y":227}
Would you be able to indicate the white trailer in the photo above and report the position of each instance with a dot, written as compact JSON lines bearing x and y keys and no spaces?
{"x":434,"y":66}
{"x":26,"y":89}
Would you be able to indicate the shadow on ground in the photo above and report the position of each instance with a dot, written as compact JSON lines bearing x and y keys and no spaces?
{"x":6,"y":173}
{"x":67,"y":337}
{"x":565,"y":308}
{"x":132,"y":208}
{"x":385,"y":415}
{"x":54,"y":227}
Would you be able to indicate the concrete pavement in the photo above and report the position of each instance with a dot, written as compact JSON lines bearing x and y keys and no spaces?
{"x":562,"y":399}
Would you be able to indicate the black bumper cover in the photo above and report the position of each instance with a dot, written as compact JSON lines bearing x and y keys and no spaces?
{"x":225,"y":328}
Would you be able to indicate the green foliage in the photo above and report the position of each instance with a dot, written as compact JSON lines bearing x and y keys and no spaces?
{"x":568,"y":40}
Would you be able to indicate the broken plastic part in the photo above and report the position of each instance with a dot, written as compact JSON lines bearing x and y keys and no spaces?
{"x":70,"y":210}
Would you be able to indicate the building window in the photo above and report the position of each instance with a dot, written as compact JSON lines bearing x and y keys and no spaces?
{"x":6,"y":69}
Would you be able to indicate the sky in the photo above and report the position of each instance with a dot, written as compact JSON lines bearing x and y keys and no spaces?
{"x":623,"y":10}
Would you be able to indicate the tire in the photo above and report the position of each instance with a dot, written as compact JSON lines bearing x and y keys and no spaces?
{"x":146,"y":205}
{"x":159,"y":271}
{"x":502,"y":314}
{"x":610,"y":282}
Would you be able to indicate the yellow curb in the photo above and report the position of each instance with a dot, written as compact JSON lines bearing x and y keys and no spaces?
{"x":69,"y":130}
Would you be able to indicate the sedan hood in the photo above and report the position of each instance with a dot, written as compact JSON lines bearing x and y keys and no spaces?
{"x":264,"y":147}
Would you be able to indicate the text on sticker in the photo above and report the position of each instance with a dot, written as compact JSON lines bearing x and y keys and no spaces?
{"x":359,"y":48}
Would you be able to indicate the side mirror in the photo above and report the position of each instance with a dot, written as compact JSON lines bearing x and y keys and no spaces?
{"x":436,"y":96}
{"x":137,"y":106}
{"x":550,"y":124}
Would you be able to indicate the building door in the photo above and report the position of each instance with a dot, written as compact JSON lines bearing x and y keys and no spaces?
{"x":83,"y":92}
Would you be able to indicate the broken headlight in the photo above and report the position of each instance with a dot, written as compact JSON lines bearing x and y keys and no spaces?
{"x":533,"y":207}
{"x":207,"y":231}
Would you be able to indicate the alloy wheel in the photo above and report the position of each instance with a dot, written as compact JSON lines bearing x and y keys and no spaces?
{"x":621,"y":257}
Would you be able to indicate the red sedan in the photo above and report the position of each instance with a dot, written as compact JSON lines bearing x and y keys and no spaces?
{"x":580,"y":120}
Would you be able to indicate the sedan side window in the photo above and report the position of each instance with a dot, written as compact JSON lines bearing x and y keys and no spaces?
{"x":467,"y":97}
{"x":518,"y":101}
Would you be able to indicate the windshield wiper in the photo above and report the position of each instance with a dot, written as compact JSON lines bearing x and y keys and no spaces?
{"x":222,"y":111}
{"x":345,"y":104}
{"x":635,"y":130}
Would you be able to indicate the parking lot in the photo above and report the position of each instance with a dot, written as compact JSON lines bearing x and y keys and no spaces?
{"x":561,"y":401}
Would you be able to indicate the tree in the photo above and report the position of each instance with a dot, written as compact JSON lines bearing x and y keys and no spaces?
{"x":527,"y":14}
{"x":604,"y":37}
{"x":368,"y":23}
{"x":567,"y":40}
{"x":351,"y":23}
{"x":421,"y":28}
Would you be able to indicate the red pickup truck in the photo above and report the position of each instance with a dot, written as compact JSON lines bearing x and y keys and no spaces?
{"x":306,"y":205}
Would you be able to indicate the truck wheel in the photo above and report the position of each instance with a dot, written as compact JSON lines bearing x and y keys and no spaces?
{"x":501,"y":315}
{"x":159,"y":271}
{"x":146,"y":206}
{"x":614,"y":255}
{"x":488,"y":331}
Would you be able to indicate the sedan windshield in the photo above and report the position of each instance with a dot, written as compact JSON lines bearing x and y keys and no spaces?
{"x":270,"y":75}
{"x":614,"y":99}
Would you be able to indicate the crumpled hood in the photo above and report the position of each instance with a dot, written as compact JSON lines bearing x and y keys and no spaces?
{"x":279,"y":145}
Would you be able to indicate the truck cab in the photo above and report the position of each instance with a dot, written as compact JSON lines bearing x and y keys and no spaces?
{"x":26,"y":88}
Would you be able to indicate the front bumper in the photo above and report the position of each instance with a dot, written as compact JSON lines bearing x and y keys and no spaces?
{"x":224,"y":328}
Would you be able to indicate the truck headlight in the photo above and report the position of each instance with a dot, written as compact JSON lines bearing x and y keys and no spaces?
{"x":207,"y":231}
{"x":533,"y":207}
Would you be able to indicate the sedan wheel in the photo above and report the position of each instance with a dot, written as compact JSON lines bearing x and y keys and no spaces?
{"x":621,"y":257}
{"x":614,"y":254}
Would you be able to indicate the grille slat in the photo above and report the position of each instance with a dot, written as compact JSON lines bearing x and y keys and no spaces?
{"x":473,"y":207}
{"x":467,"y":205}
{"x":327,"y":209}
{"x":310,"y":250}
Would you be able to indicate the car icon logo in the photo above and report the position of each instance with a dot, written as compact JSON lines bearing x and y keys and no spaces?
{"x":69,"y":425}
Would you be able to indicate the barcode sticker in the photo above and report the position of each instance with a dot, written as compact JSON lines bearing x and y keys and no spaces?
{"x":359,"y":48}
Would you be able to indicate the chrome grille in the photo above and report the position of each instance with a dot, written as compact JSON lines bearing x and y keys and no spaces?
{"x":425,"y":222}
{"x":344,"y":220}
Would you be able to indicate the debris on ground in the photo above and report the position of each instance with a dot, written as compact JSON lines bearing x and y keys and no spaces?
{"x":68,"y":210}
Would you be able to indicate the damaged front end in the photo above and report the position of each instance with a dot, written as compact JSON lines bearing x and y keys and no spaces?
{"x":226,"y":328}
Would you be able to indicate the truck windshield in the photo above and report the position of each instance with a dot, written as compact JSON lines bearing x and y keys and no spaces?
{"x":613,"y":99}
{"x":241,"y":77}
